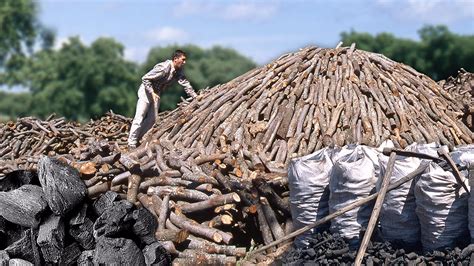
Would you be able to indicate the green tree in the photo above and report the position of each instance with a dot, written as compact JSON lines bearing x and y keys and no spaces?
{"x":439,"y":53}
{"x":80,"y":82}
{"x":446,"y":52}
{"x":20,"y":29}
{"x":204,"y":68}
{"x":13,"y":104}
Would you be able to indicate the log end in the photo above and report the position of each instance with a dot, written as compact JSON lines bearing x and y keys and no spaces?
{"x":226,"y":219}
{"x":217,"y":237}
{"x":181,"y":236}
{"x":252,"y":209}
{"x":88,"y":169}
{"x":235,"y":197}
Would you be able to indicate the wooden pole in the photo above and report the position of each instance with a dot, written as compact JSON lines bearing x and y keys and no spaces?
{"x":376,"y":211}
{"x":443,"y":152}
{"x":388,"y":151}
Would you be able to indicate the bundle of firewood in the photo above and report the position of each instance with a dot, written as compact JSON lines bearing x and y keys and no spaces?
{"x":462,"y":88}
{"x":216,"y":168}
{"x":21,"y":142}
{"x":462,"y":84}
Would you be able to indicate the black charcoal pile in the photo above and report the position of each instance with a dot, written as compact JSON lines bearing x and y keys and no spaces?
{"x":331,"y":249}
{"x":45,"y":218}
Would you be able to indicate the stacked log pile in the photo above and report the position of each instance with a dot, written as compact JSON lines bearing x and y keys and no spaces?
{"x":22,"y":142}
{"x":462,"y":88}
{"x":346,"y":94}
{"x":216,"y":167}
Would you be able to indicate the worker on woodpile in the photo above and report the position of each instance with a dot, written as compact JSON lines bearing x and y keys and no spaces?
{"x":153,"y":83}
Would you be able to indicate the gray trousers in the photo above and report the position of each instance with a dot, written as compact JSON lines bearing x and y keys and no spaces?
{"x":144,"y":116}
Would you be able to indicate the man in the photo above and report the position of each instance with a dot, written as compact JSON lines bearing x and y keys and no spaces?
{"x":153,"y":83}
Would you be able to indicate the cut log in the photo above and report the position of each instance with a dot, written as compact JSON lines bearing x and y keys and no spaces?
{"x":210,"y":203}
{"x":195,"y":228}
{"x":193,"y":257}
{"x":212,"y":248}
{"x":163,"y":215}
{"x":176,"y":236}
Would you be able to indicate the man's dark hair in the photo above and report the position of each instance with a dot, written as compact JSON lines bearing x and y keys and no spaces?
{"x":178,"y":53}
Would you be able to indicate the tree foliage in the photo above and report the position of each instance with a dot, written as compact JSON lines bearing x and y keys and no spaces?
{"x":439,"y":53}
{"x":14,"y":104}
{"x":204,"y":68}
{"x":78,"y":81}
{"x":20,"y":29}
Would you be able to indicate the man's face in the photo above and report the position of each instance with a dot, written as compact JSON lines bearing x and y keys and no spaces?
{"x":179,"y":62}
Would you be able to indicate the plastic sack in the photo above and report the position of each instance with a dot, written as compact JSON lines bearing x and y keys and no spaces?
{"x":398,"y":221}
{"x":471,"y":202}
{"x":464,"y":156}
{"x":442,"y":208}
{"x":308,"y":179}
{"x":354,"y":176}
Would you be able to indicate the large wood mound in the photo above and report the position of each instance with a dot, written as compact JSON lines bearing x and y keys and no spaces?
{"x":316,"y":97}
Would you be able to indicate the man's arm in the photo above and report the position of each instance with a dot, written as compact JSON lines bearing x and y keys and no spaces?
{"x":158,"y":72}
{"x":187,"y":86}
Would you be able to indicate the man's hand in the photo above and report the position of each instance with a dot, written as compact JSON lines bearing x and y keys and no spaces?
{"x":156,"y":97}
{"x":156,"y":100}
{"x":184,"y":102}
{"x":199,"y":97}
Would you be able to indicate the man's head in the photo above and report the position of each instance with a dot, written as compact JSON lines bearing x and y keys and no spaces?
{"x":179,"y":59}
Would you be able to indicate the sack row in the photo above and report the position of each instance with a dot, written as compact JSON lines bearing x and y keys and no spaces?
{"x":432,"y":209}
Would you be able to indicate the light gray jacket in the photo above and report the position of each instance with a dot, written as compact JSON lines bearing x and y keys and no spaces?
{"x":160,"y":77}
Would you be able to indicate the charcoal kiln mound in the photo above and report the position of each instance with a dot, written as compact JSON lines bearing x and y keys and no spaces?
{"x":313,"y":98}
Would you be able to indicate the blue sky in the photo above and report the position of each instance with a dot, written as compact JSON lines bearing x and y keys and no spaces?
{"x":260,"y":30}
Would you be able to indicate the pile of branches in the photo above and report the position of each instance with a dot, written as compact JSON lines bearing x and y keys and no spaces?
{"x":317,"y":97}
{"x":22,"y":141}
{"x":462,"y":88}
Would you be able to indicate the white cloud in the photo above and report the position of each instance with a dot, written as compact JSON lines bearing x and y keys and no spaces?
{"x":59,"y":42}
{"x":136,"y":54}
{"x":429,"y":11}
{"x":256,"y":46}
{"x":189,"y":7}
{"x":242,"y":10}
{"x":167,"y":34}
{"x":62,"y":40}
{"x":249,"y":11}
